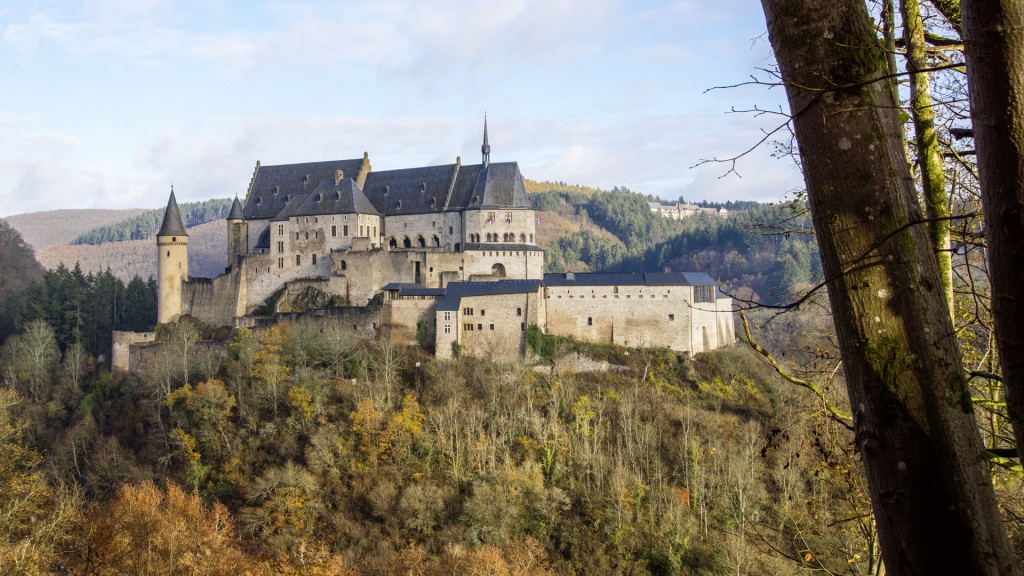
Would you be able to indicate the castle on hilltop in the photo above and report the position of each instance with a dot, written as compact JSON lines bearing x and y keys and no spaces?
{"x":446,"y":254}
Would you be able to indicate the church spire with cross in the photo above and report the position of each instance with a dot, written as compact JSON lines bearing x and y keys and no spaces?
{"x":486,"y":148}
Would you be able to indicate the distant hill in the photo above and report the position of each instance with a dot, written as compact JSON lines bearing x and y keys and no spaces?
{"x":207,"y":254}
{"x":144,"y":225}
{"x":42,"y":230}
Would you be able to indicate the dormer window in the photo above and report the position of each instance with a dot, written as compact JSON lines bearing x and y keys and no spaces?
{"x":259,"y":200}
{"x":386,"y":190}
{"x":305,"y":178}
{"x":320,"y":197}
{"x":476,"y":199}
{"x":398,"y":204}
{"x":423,"y":187}
{"x":276,"y":190}
{"x":433,"y":202}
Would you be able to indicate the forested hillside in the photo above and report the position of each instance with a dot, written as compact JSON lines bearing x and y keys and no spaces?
{"x":146,"y":224}
{"x":315,"y":453}
{"x":207,"y":254}
{"x":44,"y":229}
{"x":764,"y":251}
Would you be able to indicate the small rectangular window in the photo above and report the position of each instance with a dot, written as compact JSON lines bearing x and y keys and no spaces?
{"x":480,"y":327}
{"x":447,"y":329}
{"x":344,"y":231}
{"x":334,"y":231}
{"x":314,"y":259}
{"x":590,"y":321}
{"x":280,"y":229}
{"x":298,"y":259}
{"x":671,"y":317}
{"x":280,"y":262}
{"x":492,"y":326}
{"x":280,"y":247}
{"x":519,"y":311}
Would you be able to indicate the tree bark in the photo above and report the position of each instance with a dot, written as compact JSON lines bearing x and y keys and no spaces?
{"x":994,"y":47}
{"x":930,"y":489}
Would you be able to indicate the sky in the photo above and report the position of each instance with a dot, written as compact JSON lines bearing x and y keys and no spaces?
{"x":108,"y":103}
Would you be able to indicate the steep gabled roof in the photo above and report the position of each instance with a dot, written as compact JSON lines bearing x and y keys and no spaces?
{"x":500,"y":185}
{"x":410,"y":190}
{"x":344,"y":197}
{"x":273,"y":187}
{"x":172,"y":225}
{"x":290,"y":208}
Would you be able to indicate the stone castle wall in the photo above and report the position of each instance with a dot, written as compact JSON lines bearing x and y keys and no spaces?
{"x":638,"y":316}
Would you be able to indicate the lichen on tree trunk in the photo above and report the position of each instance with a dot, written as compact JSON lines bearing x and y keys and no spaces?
{"x":929,"y":158}
{"x":929,"y":486}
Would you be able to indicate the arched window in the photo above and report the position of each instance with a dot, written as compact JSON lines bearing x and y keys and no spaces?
{"x":344,"y":265}
{"x":393,"y":243}
{"x":421,"y":242}
{"x":522,"y":238}
{"x":498,"y":270}
{"x":436,"y":242}
{"x":406,"y":242}
{"x":531,"y":238}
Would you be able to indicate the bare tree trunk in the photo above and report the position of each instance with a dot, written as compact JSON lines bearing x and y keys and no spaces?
{"x":994,"y":47}
{"x":915,"y":429}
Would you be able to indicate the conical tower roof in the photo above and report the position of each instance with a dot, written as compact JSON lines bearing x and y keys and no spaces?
{"x":172,"y":225}
{"x":236,"y":210}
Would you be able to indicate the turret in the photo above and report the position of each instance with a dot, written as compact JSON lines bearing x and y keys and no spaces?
{"x":238,"y":235}
{"x":172,"y":263}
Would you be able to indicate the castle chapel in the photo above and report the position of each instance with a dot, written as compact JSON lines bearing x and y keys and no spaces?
{"x":448,"y":251}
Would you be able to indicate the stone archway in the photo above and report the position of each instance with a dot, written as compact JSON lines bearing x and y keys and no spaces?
{"x":498,"y":270}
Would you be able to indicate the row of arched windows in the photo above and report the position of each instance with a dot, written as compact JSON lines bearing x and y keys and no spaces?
{"x":420,"y":242}
{"x":493,"y":237}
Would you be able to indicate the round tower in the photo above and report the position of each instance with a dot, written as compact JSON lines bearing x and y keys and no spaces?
{"x":172,"y":263}
{"x":238,"y":235}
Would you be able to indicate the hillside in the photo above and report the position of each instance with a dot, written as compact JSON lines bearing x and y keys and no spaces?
{"x":42,"y":230}
{"x":207,"y":254}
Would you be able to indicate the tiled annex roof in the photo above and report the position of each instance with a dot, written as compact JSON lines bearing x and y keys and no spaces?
{"x":628,"y":279}
{"x":409,"y":289}
{"x":273,"y":187}
{"x":456,"y":291}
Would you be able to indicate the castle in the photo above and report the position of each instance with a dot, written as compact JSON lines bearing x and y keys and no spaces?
{"x":445,"y":254}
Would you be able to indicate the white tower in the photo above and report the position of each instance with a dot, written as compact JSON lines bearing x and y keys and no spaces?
{"x":172,"y":263}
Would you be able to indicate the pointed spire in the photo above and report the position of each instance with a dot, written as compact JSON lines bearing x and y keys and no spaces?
{"x":486,"y":148}
{"x":236,"y":210}
{"x":172,"y":225}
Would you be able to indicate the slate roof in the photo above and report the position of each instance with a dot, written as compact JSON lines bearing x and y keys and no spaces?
{"x":290,"y":208}
{"x":628,"y":279}
{"x":344,"y":197}
{"x":456,"y":291}
{"x":410,"y":190}
{"x":501,"y":185}
{"x":425,"y":190}
{"x":408,"y":289}
{"x":172,"y":225}
{"x":236,"y":210}
{"x":273,"y":187}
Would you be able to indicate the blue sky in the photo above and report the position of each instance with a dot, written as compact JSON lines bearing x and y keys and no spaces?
{"x":105,"y":104}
